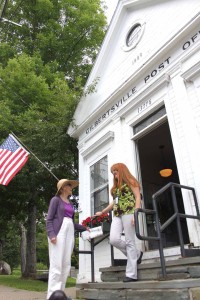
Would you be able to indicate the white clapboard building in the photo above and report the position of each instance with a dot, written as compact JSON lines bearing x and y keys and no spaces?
{"x":144,"y":112}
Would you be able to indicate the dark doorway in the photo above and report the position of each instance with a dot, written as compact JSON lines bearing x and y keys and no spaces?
{"x":151,"y":160}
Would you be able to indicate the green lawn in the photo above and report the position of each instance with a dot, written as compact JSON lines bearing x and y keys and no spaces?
{"x":17,"y":282}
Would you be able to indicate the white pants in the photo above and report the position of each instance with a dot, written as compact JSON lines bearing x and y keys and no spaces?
{"x":128,"y":247}
{"x":60,"y":257}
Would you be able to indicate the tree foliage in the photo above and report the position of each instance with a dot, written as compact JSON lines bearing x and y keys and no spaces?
{"x":66,"y":33}
{"x":43,"y":67}
{"x":10,"y":244}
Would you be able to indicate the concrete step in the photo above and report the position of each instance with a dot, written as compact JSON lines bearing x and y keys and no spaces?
{"x":181,"y":268}
{"x":182,"y":282}
{"x":149,"y":290}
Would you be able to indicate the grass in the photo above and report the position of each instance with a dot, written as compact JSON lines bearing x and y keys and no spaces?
{"x":17,"y":282}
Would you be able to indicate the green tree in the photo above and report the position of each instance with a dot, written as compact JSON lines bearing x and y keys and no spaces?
{"x":42,"y":244}
{"x":66,"y":33}
{"x":43,"y":122}
{"x":44,"y":65}
{"x":10,"y":244}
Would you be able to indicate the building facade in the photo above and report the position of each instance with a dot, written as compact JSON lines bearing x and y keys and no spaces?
{"x":144,"y":112}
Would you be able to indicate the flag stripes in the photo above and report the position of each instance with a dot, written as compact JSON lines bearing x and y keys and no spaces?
{"x":12,"y":158}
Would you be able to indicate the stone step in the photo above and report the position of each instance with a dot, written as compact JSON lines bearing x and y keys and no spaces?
{"x":182,"y":268}
{"x":149,"y":290}
{"x":182,"y":282}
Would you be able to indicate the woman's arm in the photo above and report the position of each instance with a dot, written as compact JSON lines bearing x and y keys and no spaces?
{"x":105,"y":210}
{"x":50,"y":217}
{"x":136,"y":192}
{"x":80,"y":227}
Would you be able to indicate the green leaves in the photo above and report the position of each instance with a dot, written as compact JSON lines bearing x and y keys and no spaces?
{"x":44,"y":65}
{"x":64,"y":32}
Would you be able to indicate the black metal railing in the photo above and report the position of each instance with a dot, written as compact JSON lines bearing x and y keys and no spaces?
{"x":177,"y":216}
{"x":93,"y":244}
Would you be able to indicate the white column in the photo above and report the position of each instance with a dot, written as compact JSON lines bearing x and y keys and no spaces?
{"x":190,"y":163}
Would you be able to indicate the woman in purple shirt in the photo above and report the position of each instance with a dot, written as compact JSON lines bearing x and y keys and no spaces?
{"x":60,"y":230}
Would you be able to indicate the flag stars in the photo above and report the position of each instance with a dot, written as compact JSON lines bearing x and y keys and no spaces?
{"x":10,"y":145}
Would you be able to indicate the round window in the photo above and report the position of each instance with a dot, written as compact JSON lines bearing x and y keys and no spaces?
{"x":133,"y":36}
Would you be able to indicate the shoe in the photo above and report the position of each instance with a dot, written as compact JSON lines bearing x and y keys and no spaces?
{"x":140,"y":258}
{"x":128,"y":279}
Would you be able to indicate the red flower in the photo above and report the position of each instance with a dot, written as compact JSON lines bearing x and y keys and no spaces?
{"x":96,"y":221}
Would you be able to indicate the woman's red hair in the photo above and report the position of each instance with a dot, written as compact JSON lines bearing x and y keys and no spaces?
{"x":125,"y":176}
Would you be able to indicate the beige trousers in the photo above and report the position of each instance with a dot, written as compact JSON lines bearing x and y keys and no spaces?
{"x":123,"y":224}
{"x":60,"y":257}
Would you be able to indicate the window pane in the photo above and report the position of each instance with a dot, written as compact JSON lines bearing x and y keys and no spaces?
{"x":99,"y":185}
{"x":133,"y":35}
{"x":100,"y":199}
{"x":149,"y":120}
{"x":99,"y":173}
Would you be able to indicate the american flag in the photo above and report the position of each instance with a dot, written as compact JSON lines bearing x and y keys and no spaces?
{"x":12,"y":158}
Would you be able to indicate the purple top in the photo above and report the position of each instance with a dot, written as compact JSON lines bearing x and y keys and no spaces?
{"x":69,"y":210}
{"x":56,"y":213}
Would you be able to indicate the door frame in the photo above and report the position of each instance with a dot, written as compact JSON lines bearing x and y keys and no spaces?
{"x":142,"y":219}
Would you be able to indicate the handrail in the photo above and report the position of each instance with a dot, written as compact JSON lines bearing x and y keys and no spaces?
{"x":176,"y":216}
{"x":94,"y":243}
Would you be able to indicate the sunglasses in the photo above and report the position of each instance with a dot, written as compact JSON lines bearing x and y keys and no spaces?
{"x":68,"y":184}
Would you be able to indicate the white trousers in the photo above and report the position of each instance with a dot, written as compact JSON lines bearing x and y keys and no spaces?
{"x":60,"y":257}
{"x":127,"y":246}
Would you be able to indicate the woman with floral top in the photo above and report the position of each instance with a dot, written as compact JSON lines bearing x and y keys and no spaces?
{"x":126,"y":198}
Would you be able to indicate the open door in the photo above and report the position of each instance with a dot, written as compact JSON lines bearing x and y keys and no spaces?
{"x":155,"y":149}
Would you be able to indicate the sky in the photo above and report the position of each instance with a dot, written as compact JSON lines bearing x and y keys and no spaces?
{"x":111,"y":4}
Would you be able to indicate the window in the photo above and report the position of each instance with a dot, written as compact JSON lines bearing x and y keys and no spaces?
{"x":99,"y":185}
{"x":149,"y":120}
{"x":133,"y":36}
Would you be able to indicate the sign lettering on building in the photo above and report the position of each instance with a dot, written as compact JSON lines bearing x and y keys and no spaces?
{"x":163,"y":65}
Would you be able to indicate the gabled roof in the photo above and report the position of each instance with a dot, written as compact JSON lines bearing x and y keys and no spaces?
{"x":162,"y":25}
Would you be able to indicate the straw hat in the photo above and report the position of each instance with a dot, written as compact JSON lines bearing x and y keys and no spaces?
{"x":62,"y":182}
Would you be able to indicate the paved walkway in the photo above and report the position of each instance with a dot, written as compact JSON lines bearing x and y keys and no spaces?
{"x":8,"y":293}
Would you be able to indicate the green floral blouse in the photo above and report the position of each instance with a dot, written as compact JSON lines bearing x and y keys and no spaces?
{"x":124,"y":202}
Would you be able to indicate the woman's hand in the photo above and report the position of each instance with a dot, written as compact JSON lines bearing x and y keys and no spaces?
{"x":54,"y":240}
{"x":98,"y":214}
{"x":105,"y":210}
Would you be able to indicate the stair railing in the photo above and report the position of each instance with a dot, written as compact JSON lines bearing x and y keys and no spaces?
{"x":94,"y":243}
{"x":176,"y":216}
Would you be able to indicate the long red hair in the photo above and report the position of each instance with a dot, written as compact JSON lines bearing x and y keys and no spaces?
{"x":125,"y":176}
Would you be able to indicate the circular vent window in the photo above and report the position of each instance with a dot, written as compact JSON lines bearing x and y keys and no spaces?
{"x":133,"y":36}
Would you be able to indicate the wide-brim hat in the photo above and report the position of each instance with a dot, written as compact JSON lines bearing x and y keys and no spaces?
{"x":62,"y":182}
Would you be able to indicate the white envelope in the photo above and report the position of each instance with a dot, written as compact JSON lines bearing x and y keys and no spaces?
{"x":94,"y":232}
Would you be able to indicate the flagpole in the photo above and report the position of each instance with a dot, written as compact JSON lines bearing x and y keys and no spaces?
{"x":35,"y":156}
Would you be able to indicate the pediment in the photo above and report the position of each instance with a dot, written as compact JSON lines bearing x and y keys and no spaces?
{"x":158,"y":26}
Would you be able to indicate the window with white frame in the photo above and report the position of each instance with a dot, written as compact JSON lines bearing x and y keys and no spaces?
{"x":99,"y":185}
{"x":134,"y":35}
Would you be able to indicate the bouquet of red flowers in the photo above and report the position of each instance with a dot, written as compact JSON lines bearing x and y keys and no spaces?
{"x":96,"y":220}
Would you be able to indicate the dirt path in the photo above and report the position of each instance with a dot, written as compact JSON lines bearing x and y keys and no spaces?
{"x":8,"y":293}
